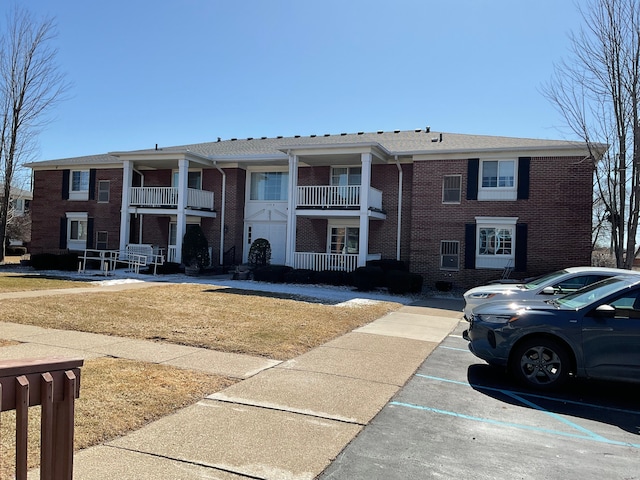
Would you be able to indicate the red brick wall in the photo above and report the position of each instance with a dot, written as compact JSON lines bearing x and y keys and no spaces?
{"x":560,"y":188}
{"x":48,"y":208}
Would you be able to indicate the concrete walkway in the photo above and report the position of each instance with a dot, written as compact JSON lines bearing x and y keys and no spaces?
{"x":284,"y":420}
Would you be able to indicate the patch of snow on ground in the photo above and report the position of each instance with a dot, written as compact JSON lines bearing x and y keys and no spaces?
{"x":116,"y":281}
{"x":357,"y":302}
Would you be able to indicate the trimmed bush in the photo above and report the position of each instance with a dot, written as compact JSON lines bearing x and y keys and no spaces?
{"x":300,"y":276}
{"x":388,"y":264}
{"x":260,"y":253}
{"x":401,"y":282}
{"x":368,"y":278}
{"x":168,"y":268}
{"x":271,"y":273}
{"x":334,"y":277}
{"x":48,"y":261}
{"x":15,"y":251}
{"x":195,"y":248}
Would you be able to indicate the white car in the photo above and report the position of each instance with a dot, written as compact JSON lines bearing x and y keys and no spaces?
{"x":541,"y":288}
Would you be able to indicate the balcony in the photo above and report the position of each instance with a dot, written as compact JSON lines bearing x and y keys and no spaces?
{"x":337,"y":197}
{"x":167,"y":197}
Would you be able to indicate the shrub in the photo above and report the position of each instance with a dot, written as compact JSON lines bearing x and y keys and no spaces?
{"x":444,"y":285}
{"x":368,"y":278}
{"x":260,"y":253}
{"x":195,"y":248}
{"x":168,"y":268}
{"x":271,"y":273}
{"x":49,"y":261}
{"x":401,"y":282}
{"x":303,"y":276}
{"x":388,"y":264}
{"x":15,"y":250}
{"x":334,"y":277}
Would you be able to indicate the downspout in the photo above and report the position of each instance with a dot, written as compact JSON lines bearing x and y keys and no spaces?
{"x":222,"y":209}
{"x":399,"y":208}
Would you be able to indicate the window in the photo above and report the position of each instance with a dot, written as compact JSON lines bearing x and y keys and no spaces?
{"x":102,"y":240}
{"x":77,"y":229}
{"x":269,"y":186}
{"x":103,"y":191}
{"x":449,"y":255}
{"x":341,"y":176}
{"x":498,"y":174}
{"x":451,"y":187}
{"x":194,"y":179}
{"x":495,"y":241}
{"x":345,"y":240}
{"x":18,"y":205}
{"x":79,"y":188}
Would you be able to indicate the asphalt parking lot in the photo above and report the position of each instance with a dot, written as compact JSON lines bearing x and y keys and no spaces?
{"x":459,"y":418}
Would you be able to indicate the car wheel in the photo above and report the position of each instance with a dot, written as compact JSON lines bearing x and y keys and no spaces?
{"x":541,"y":363}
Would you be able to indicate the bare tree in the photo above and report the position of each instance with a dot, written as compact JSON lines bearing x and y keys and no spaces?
{"x":597,"y":90}
{"x":30,"y":85}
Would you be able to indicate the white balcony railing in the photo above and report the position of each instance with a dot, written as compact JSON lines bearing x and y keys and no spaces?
{"x":325,"y":196}
{"x":168,"y":197}
{"x":326,"y":261}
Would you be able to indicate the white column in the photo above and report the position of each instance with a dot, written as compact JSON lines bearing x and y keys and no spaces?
{"x":181,"y":223}
{"x":125,"y":219}
{"x":365,"y":185}
{"x":290,"y":247}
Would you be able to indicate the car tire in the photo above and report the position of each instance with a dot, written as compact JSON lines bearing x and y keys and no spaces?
{"x":540,"y":363}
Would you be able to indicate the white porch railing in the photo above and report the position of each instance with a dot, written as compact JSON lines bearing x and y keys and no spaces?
{"x":325,"y":261}
{"x":326,"y":196}
{"x":168,"y":197}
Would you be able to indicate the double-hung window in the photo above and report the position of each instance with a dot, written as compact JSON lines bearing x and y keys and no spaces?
{"x":451,"y":188}
{"x":498,"y":180}
{"x":79,"y":185}
{"x":194,"y":179}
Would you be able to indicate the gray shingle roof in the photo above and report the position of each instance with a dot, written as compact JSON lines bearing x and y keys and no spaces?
{"x":396,"y":143}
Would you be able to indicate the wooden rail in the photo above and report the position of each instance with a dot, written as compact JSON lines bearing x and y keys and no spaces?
{"x":53,"y":383}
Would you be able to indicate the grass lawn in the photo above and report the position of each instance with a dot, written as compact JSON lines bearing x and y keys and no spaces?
{"x":20,"y":282}
{"x":117,"y":396}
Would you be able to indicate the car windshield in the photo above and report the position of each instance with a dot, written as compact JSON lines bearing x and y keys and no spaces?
{"x":536,"y":282}
{"x":592,"y":293}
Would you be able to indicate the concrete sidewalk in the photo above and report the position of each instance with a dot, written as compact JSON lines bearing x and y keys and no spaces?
{"x":285,"y":420}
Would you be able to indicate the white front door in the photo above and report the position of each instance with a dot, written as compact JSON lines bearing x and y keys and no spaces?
{"x":275,"y":232}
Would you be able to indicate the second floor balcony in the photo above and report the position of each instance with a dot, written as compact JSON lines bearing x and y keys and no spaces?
{"x":337,"y":197}
{"x":167,"y":197}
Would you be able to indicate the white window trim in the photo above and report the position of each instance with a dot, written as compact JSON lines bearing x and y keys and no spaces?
{"x":348,"y":167}
{"x":498,"y":193}
{"x":264,"y":170}
{"x":175,"y":172}
{"x":78,"y":194}
{"x":346,"y":223}
{"x":495,"y":261}
{"x":78,"y":217}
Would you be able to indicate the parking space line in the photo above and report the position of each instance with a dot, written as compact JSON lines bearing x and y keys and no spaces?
{"x":515,"y":425}
{"x":533,"y":395}
{"x":454,"y":348}
{"x":519,"y":396}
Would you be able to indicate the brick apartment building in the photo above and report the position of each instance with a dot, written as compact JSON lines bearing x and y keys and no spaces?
{"x":459,"y":208}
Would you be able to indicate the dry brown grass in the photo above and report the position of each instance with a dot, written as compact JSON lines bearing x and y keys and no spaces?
{"x":19,"y":282}
{"x":116,"y":396}
{"x":222,"y":319}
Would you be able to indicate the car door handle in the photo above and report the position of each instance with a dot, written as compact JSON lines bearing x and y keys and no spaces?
{"x":597,"y":329}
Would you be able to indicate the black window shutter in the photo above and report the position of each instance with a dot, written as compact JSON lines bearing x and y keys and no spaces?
{"x":63,"y":233}
{"x":473,"y":168}
{"x":92,"y":184}
{"x":521,"y":247}
{"x":470,"y":246}
{"x":65,"y":184}
{"x":89,"y":232}
{"x":524,"y":164}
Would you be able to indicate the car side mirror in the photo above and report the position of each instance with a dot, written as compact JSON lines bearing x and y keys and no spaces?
{"x":606,"y":311}
{"x":548,"y":291}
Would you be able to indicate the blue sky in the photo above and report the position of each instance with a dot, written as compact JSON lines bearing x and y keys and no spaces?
{"x":146,"y":72}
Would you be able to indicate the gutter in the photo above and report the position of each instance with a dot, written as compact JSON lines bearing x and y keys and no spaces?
{"x":222,"y":209}
{"x":399,"y":208}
